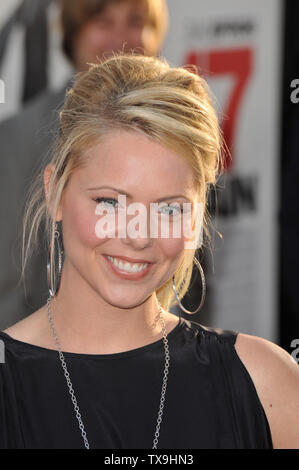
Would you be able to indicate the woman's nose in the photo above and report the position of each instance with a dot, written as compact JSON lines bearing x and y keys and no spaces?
{"x":137,"y":231}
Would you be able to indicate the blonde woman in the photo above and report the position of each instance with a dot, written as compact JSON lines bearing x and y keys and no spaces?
{"x":91,"y":31}
{"x":104,"y":364}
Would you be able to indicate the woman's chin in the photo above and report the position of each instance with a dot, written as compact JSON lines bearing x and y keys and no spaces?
{"x":125,"y":301}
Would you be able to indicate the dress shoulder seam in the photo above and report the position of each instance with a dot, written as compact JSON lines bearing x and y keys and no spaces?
{"x":228,"y":336}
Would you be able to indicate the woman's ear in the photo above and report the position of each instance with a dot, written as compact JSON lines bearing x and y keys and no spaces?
{"x":47,"y":178}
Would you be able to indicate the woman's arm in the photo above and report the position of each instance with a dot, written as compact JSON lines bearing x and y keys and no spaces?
{"x":275,"y":375}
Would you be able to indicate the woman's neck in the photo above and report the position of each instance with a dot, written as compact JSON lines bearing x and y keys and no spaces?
{"x":85,"y":322}
{"x":94,"y":332}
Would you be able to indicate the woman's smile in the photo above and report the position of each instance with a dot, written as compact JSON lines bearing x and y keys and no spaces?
{"x":128,"y":270}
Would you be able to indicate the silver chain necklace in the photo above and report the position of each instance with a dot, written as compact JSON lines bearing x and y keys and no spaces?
{"x":70,"y":385}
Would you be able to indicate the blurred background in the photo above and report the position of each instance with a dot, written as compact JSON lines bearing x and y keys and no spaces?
{"x":248,"y":50}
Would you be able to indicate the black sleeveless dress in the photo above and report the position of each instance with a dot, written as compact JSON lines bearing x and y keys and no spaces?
{"x":211,"y":401}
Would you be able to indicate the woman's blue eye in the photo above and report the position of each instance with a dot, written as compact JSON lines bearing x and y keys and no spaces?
{"x":172,"y":208}
{"x":178,"y":209}
{"x":104,"y":199}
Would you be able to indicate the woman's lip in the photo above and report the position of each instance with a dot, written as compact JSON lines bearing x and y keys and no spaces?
{"x":126,"y":275}
{"x":130,"y":260}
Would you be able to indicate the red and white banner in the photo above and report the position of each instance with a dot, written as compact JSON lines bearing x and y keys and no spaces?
{"x":237,"y":48}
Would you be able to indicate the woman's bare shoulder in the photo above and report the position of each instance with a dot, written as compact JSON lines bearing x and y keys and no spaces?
{"x":29,"y":328}
{"x":275,"y":375}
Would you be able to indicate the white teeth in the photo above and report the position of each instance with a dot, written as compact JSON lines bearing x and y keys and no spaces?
{"x":129,"y":267}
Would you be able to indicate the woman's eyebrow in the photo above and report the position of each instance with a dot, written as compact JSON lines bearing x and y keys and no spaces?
{"x":121,"y":191}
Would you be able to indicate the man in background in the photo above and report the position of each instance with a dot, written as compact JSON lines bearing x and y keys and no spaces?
{"x":92,"y":30}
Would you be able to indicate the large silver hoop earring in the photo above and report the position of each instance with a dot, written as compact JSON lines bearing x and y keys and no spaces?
{"x":203,"y":294}
{"x":60,"y":255}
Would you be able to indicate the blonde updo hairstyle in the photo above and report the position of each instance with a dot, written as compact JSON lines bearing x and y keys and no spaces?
{"x":171,"y":105}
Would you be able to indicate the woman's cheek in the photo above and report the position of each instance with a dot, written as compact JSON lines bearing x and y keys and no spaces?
{"x":171,"y":247}
{"x":106,"y":226}
{"x":81,"y":224}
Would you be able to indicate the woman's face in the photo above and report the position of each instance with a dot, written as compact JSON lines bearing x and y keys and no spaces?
{"x":141,"y":171}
